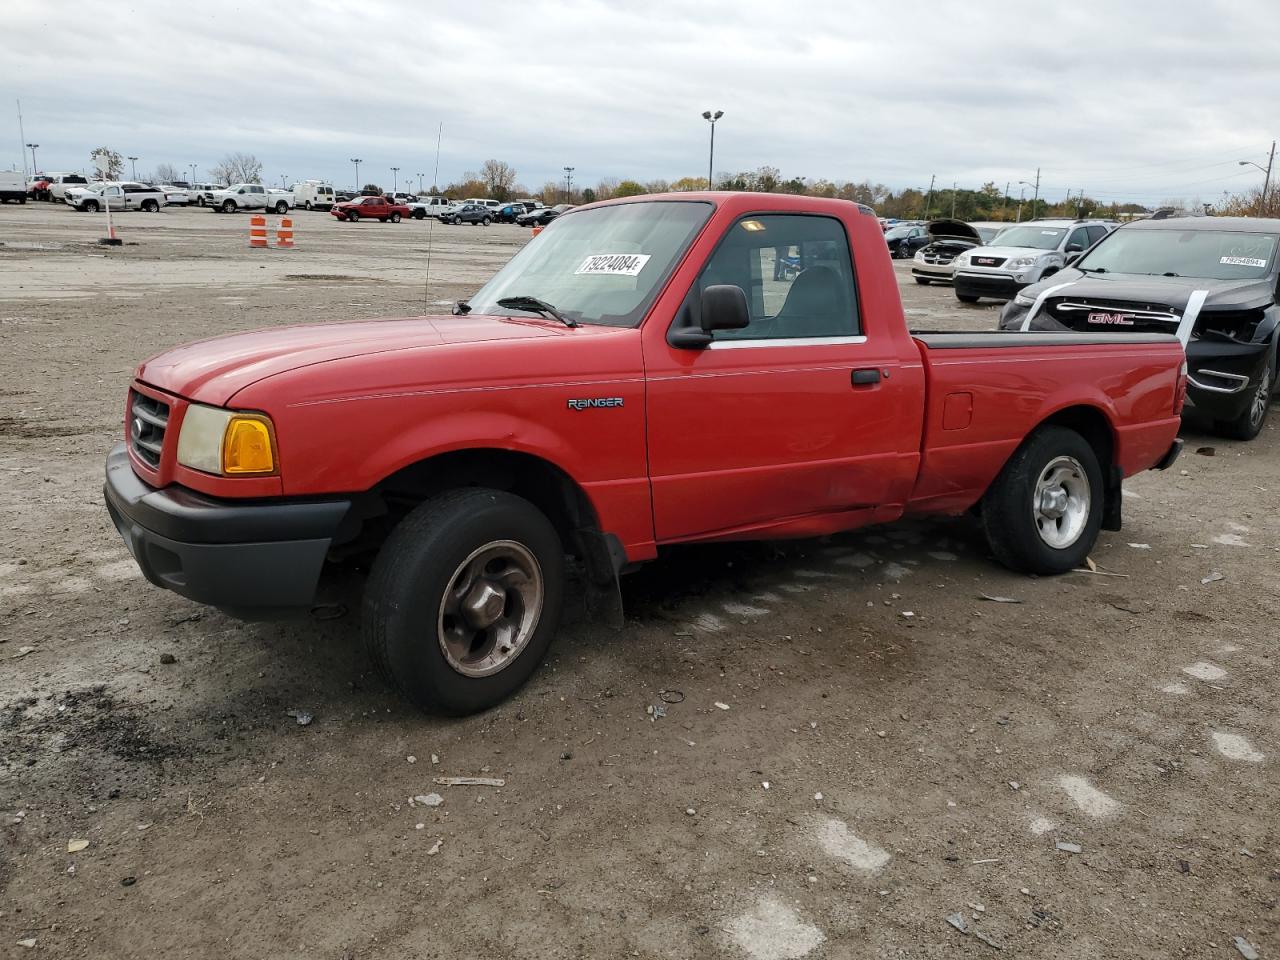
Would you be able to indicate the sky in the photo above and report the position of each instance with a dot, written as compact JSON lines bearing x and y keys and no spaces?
{"x":1126,"y":99}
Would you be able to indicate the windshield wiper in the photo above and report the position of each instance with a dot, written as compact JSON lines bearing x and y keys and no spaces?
{"x":1092,"y":269}
{"x":534,"y":305}
{"x":1170,"y":274}
{"x":461,"y":308}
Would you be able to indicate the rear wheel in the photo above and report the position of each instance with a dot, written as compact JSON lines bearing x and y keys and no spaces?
{"x":307,"y":206}
{"x":228,"y":206}
{"x":150,"y":206}
{"x":282,"y":208}
{"x":464,"y":599}
{"x":91,"y":206}
{"x":395,"y":218}
{"x":1044,"y":511}
{"x":487,"y":220}
{"x":1254,"y":416}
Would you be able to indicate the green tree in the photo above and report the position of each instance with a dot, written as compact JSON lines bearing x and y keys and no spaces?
{"x":107,"y":162}
{"x":588,"y":195}
{"x":628,"y":188}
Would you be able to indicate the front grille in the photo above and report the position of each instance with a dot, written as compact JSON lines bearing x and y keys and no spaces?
{"x":938,"y":258}
{"x":988,"y":261}
{"x":148,"y":420}
{"x":1120,"y":315}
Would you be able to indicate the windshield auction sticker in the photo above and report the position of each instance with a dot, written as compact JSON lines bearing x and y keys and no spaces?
{"x":614,"y":264}
{"x":1243,"y":262}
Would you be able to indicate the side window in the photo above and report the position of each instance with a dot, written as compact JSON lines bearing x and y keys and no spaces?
{"x":796,"y":273}
{"x":1080,"y":236}
{"x":1096,"y":233}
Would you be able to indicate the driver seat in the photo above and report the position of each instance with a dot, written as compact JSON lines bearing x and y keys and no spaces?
{"x":817,"y":305}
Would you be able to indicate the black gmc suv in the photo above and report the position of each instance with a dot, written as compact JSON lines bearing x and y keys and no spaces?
{"x":1214,"y":281}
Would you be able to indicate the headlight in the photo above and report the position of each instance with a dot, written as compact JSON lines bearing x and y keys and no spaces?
{"x":919,"y":257}
{"x":1023,"y":300}
{"x":1021,"y":263}
{"x":962,"y":260}
{"x":227,"y":442}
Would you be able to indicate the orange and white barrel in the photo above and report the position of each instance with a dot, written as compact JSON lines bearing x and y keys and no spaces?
{"x":258,"y":231}
{"x":284,"y":234}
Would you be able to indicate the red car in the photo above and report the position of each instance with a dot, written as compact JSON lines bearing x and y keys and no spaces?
{"x":638,"y":375}
{"x":370,"y":208}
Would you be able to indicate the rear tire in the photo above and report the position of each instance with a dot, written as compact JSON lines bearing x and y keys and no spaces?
{"x":150,"y":206}
{"x":1254,"y":417}
{"x":431,"y":586}
{"x":282,"y":208}
{"x":228,"y":206}
{"x":1043,"y":512}
{"x":307,"y":206}
{"x":395,"y":218}
{"x":487,"y":220}
{"x":91,"y":206}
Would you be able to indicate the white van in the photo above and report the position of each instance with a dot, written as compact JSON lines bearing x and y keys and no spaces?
{"x":313,"y":195}
{"x":12,"y":186}
{"x":491,"y":204}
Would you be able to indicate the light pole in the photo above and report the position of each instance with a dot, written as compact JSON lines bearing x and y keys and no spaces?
{"x":133,"y":166}
{"x":1021,"y":196}
{"x":32,"y":148}
{"x":1266,"y":183}
{"x":395,"y":180}
{"x":283,"y":178}
{"x":357,"y":161}
{"x":711,"y":118}
{"x":1028,"y":183}
{"x":568,"y":184}
{"x":420,"y":176}
{"x":953,"y":199}
{"x":193,"y":174}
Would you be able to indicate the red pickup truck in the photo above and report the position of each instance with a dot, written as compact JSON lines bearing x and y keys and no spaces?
{"x":370,"y":208}
{"x":641,"y":374}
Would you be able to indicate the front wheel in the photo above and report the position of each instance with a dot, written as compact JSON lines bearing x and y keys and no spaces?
{"x":395,"y":218}
{"x":1043,"y":513}
{"x":464,"y":599}
{"x":1249,"y":423}
{"x":91,"y":206}
{"x":282,"y":208}
{"x":228,"y":206}
{"x":487,"y":220}
{"x":307,"y":206}
{"x":352,"y":216}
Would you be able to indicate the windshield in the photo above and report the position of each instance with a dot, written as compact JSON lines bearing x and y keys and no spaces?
{"x":1210,"y":254}
{"x":599,"y":266}
{"x":988,"y":233}
{"x":897,"y":233}
{"x":1032,"y":235}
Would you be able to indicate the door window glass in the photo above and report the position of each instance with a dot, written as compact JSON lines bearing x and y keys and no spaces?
{"x":796,"y":273}
{"x":1079,"y":236}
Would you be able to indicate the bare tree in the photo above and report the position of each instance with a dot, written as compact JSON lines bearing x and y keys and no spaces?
{"x":238,"y":168}
{"x":107,"y":162}
{"x":167,"y":173}
{"x":498,"y":177}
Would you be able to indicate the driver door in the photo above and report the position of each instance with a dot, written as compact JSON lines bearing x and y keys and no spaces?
{"x":797,"y":418}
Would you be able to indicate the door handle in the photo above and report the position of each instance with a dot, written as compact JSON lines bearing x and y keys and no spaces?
{"x":865,"y":377}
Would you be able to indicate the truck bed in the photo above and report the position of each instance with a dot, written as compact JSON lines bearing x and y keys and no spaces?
{"x":985,"y":392}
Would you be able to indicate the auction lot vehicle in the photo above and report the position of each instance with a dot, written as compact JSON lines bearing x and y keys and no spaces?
{"x":935,"y":261}
{"x":246,"y":196}
{"x":313,"y":195}
{"x":543,"y":215}
{"x":198,"y":192}
{"x":632,"y":378}
{"x":125,"y":195}
{"x":1027,"y":253}
{"x":62,"y":182}
{"x":424,"y":207}
{"x":370,"y":208}
{"x":12,"y":186}
{"x":1214,"y":281}
{"x":475,"y":214}
{"x":175,"y":196}
{"x":905,"y":239}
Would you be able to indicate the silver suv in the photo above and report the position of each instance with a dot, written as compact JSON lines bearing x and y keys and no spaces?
{"x":1026,"y":254}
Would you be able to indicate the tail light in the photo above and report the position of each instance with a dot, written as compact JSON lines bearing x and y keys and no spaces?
{"x":1180,"y":390}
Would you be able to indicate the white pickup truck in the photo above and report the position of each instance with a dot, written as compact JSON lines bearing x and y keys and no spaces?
{"x":424,"y":207}
{"x":247,"y":196}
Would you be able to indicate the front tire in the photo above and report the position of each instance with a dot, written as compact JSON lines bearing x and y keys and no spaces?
{"x":91,"y":206}
{"x":352,"y":216}
{"x":1254,"y":416}
{"x":966,"y":297}
{"x":395,"y":218}
{"x":228,"y":206}
{"x":487,"y":220}
{"x":1043,"y":513}
{"x":464,"y":599}
{"x":282,"y":208}
{"x":307,"y":206}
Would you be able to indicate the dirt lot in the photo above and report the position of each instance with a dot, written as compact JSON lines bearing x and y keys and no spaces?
{"x":875,"y":772}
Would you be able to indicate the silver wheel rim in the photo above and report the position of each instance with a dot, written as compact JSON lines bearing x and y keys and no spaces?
{"x":490,"y":608}
{"x":1060,"y":507}
{"x":1261,"y":398}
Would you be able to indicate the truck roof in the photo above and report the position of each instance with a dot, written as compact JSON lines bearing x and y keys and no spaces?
{"x":1236,"y":224}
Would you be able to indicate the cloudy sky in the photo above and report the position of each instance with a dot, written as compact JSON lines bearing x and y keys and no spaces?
{"x":1128,"y":100}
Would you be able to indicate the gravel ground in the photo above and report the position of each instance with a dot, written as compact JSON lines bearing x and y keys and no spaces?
{"x":1088,"y":772}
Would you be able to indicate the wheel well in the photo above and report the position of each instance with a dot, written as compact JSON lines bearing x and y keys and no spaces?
{"x":1092,"y":424}
{"x":539,"y":481}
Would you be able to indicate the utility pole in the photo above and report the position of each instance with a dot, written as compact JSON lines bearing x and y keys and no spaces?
{"x":133,"y":166}
{"x":1036,"y":200}
{"x":1267,"y":182}
{"x":34,"y":168}
{"x":568,"y":184}
{"x":1004,"y":201}
{"x":22,"y":139}
{"x":953,"y":199}
{"x":1022,"y":193}
{"x":929,"y":200}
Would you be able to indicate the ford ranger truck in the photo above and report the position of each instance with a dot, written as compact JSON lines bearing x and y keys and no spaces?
{"x":638,"y":375}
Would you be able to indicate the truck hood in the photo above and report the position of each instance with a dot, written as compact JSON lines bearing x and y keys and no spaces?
{"x":213,"y":371}
{"x":1168,"y":291}
{"x":1010,"y":252}
{"x":953,"y":230}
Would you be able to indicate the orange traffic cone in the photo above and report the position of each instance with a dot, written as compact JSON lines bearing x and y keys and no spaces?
{"x":536,"y":231}
{"x":258,"y":231}
{"x":284,"y":234}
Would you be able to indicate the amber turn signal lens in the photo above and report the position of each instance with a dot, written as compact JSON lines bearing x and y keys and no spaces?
{"x":246,"y":447}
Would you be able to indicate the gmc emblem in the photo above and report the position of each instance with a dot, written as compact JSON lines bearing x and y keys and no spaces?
{"x":1111,"y":319}
{"x":984,"y":261}
{"x":590,"y":402}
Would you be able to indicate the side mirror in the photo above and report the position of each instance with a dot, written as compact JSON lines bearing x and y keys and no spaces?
{"x":1072,"y":259}
{"x":1074,"y":248}
{"x":723,"y":307}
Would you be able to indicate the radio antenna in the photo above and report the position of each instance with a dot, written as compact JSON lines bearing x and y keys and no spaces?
{"x":435,"y":185}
